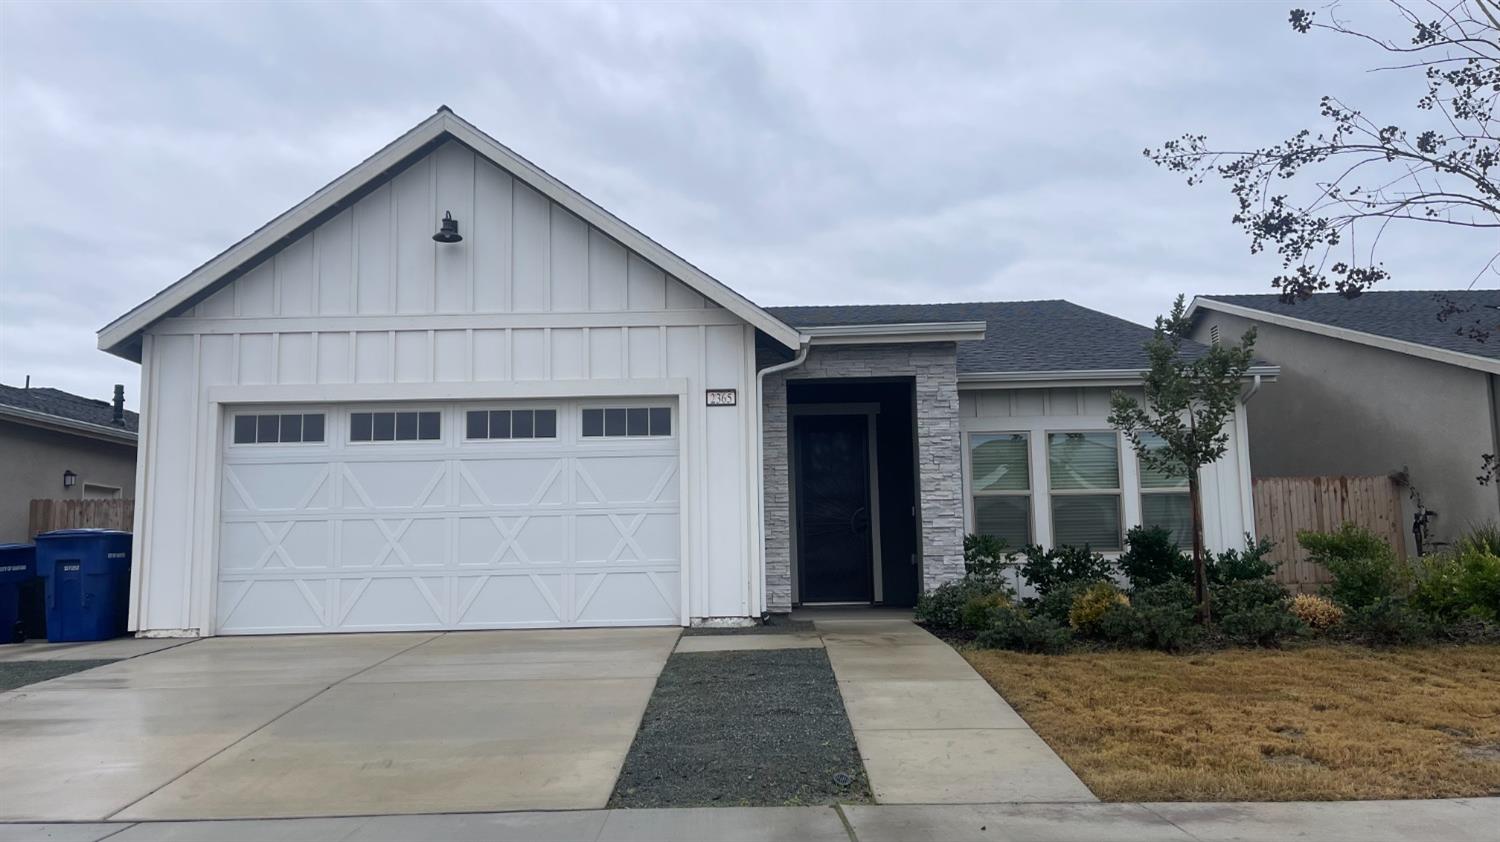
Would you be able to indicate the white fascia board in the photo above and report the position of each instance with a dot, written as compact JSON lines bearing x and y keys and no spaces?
{"x":236,"y":257}
{"x":1083,"y":377}
{"x":882,"y":334}
{"x":1400,"y":346}
{"x":60,"y":424}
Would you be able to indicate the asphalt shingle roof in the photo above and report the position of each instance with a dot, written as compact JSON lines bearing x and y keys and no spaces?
{"x":1020,"y":335}
{"x":1409,"y":315}
{"x":66,"y":405}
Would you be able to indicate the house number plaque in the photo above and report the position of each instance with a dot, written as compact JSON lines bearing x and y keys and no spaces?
{"x":721,"y":397}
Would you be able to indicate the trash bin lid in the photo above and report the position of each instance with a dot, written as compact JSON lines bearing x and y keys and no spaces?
{"x":80,"y":533}
{"x":9,"y":547}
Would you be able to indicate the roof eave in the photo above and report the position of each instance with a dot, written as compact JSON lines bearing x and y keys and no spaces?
{"x":58,"y":423}
{"x":1400,"y":346}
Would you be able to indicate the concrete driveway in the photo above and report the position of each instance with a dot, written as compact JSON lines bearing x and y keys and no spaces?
{"x":328,"y":725}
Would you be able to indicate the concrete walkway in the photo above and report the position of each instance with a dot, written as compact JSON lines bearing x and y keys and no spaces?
{"x":328,"y":725}
{"x":930,"y":729}
{"x":1469,"y":820}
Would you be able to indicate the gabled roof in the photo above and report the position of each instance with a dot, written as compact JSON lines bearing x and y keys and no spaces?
{"x":121,"y":337}
{"x":1405,"y":321}
{"x":57,"y":409}
{"x":1042,"y":338}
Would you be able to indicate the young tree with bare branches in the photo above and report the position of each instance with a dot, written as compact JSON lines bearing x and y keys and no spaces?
{"x":1322,"y":199}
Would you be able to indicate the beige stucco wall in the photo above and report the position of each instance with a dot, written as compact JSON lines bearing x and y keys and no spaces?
{"x":1344,"y":408}
{"x":34,"y":460}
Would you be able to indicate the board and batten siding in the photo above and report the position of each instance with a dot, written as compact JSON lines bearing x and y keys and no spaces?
{"x":1228,"y":504}
{"x":533,"y":302}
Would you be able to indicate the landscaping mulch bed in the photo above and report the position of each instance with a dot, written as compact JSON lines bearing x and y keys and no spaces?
{"x":775,"y":624}
{"x":743,"y":728}
{"x":1314,"y":723}
{"x":15,"y":674}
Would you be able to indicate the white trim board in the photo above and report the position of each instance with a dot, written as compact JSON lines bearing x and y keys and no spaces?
{"x":117,"y":335}
{"x":1400,"y":346}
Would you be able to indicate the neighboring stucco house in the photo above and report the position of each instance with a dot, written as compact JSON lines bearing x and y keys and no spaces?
{"x":60,"y":446}
{"x":366,"y":417}
{"x":1375,"y":385}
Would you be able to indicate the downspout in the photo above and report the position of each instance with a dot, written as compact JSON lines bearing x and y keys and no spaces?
{"x":760,"y":465}
{"x":1254,"y":387}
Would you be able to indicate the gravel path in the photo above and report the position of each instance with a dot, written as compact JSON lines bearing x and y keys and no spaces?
{"x":744,"y":728}
{"x":15,"y":674}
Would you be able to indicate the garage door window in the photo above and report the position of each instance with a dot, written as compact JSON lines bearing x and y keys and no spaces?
{"x":627,"y":422}
{"x":278,"y":428}
{"x":395,"y":426}
{"x":481,"y":424}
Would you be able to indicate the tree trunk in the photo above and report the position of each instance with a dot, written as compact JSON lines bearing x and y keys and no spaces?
{"x":1200,"y":565}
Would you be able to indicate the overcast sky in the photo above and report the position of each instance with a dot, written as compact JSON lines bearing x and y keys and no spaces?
{"x":801,"y":154}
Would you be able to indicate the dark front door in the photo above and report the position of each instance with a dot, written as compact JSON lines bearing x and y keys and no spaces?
{"x":834,"y":549}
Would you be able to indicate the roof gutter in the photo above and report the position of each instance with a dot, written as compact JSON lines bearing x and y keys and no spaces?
{"x":60,"y":424}
{"x":1081,"y":377}
{"x":881,"y":334}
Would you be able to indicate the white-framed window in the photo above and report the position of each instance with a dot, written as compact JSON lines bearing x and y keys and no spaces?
{"x":1000,"y":481}
{"x":1165,"y":501}
{"x":99,"y":491}
{"x":278,"y":428}
{"x":626,"y":422}
{"x":491,"y":424}
{"x":396,"y":425}
{"x":1083,"y":469}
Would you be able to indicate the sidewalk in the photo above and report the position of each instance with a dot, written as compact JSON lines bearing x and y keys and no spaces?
{"x":1464,"y":820}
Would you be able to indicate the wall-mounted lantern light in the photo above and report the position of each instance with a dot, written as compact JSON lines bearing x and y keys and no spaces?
{"x":448,"y":232}
{"x":69,"y":479}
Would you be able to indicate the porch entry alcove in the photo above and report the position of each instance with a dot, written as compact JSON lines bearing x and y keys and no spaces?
{"x":853,"y":492}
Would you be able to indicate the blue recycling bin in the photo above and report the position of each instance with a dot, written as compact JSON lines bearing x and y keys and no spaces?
{"x":17,"y":570}
{"x":88,"y":582}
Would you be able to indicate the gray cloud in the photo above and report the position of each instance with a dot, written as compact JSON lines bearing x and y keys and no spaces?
{"x":802,"y":154}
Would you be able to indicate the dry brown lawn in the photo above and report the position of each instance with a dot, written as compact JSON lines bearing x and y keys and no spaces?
{"x":1320,"y":723}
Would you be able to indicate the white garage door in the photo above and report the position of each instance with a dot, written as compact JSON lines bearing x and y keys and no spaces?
{"x":476,"y":515}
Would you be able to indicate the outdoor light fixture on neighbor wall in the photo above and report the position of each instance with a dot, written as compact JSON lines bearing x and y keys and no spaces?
{"x":70,"y":479}
{"x":448,"y":233}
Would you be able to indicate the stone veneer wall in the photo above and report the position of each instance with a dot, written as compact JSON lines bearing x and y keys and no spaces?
{"x":939,"y":458}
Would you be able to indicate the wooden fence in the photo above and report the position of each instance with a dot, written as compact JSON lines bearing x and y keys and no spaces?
{"x":1285,"y":505}
{"x":47,"y":515}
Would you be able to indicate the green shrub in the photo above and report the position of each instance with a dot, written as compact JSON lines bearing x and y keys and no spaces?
{"x":1387,"y":621}
{"x":978,"y":612}
{"x":1048,"y":570}
{"x":1014,"y":629}
{"x":1059,"y":601}
{"x":1461,"y":583}
{"x":985,"y":555}
{"x":1363,"y":565}
{"x":942,"y":607}
{"x":1161,"y":628}
{"x":1267,"y":624}
{"x":1484,"y":537}
{"x":1158,"y":617}
{"x":1240,"y":566}
{"x":1151,"y":557}
{"x":1246,"y":595}
{"x":1089,"y":606}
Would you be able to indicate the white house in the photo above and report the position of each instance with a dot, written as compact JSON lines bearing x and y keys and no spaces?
{"x":447,"y":391}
